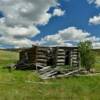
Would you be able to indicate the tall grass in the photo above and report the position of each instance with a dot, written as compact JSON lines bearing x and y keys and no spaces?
{"x":26,"y":85}
{"x":81,"y":88}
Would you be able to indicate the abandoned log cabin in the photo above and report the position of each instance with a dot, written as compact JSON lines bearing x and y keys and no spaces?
{"x":51,"y":56}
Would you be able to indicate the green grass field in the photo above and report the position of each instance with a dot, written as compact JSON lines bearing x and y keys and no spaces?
{"x":26,"y":85}
{"x":97,"y":64}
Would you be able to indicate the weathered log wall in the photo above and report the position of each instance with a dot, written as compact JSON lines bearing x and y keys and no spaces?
{"x":60,"y":56}
{"x":41,"y":56}
{"x":74,"y":57}
{"x":56,"y":55}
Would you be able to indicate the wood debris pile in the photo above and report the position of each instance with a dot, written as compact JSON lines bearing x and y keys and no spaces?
{"x":48,"y":72}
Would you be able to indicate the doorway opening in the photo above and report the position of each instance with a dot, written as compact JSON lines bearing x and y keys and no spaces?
{"x":67,"y":58}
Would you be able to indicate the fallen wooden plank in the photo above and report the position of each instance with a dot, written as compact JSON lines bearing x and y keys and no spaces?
{"x":39,"y":65}
{"x":45,"y":70}
{"x":53,"y":74}
{"x":46,"y":76}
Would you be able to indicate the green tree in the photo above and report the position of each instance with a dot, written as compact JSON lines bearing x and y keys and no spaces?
{"x":87,"y":55}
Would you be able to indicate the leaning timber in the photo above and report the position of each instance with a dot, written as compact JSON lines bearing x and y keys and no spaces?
{"x":48,"y":72}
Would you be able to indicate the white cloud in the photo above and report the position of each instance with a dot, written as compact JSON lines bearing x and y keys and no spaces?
{"x":21,"y":18}
{"x":52,"y":40}
{"x":18,"y":31}
{"x":64,"y":36}
{"x":58,"y":12}
{"x":96,"y":2}
{"x":69,"y":36}
{"x":93,"y":39}
{"x":96,"y":45}
{"x":43,"y":20}
{"x":15,"y":42}
{"x":90,"y":1}
{"x":73,"y":33}
{"x":95,"y":20}
{"x":25,"y":12}
{"x":17,"y":35}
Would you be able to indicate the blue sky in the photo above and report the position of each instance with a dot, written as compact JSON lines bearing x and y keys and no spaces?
{"x":77,"y":13}
{"x":62,"y":22}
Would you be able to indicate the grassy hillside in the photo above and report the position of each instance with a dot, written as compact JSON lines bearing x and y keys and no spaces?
{"x":26,"y":85}
{"x":7,"y":57}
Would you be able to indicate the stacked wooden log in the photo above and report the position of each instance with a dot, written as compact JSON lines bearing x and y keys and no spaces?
{"x":74,"y":54}
{"x":60,"y":56}
{"x":51,"y":56}
{"x":41,"y":56}
{"x":47,"y":72}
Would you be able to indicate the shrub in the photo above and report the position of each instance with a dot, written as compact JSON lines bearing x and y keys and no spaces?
{"x":87,"y":55}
